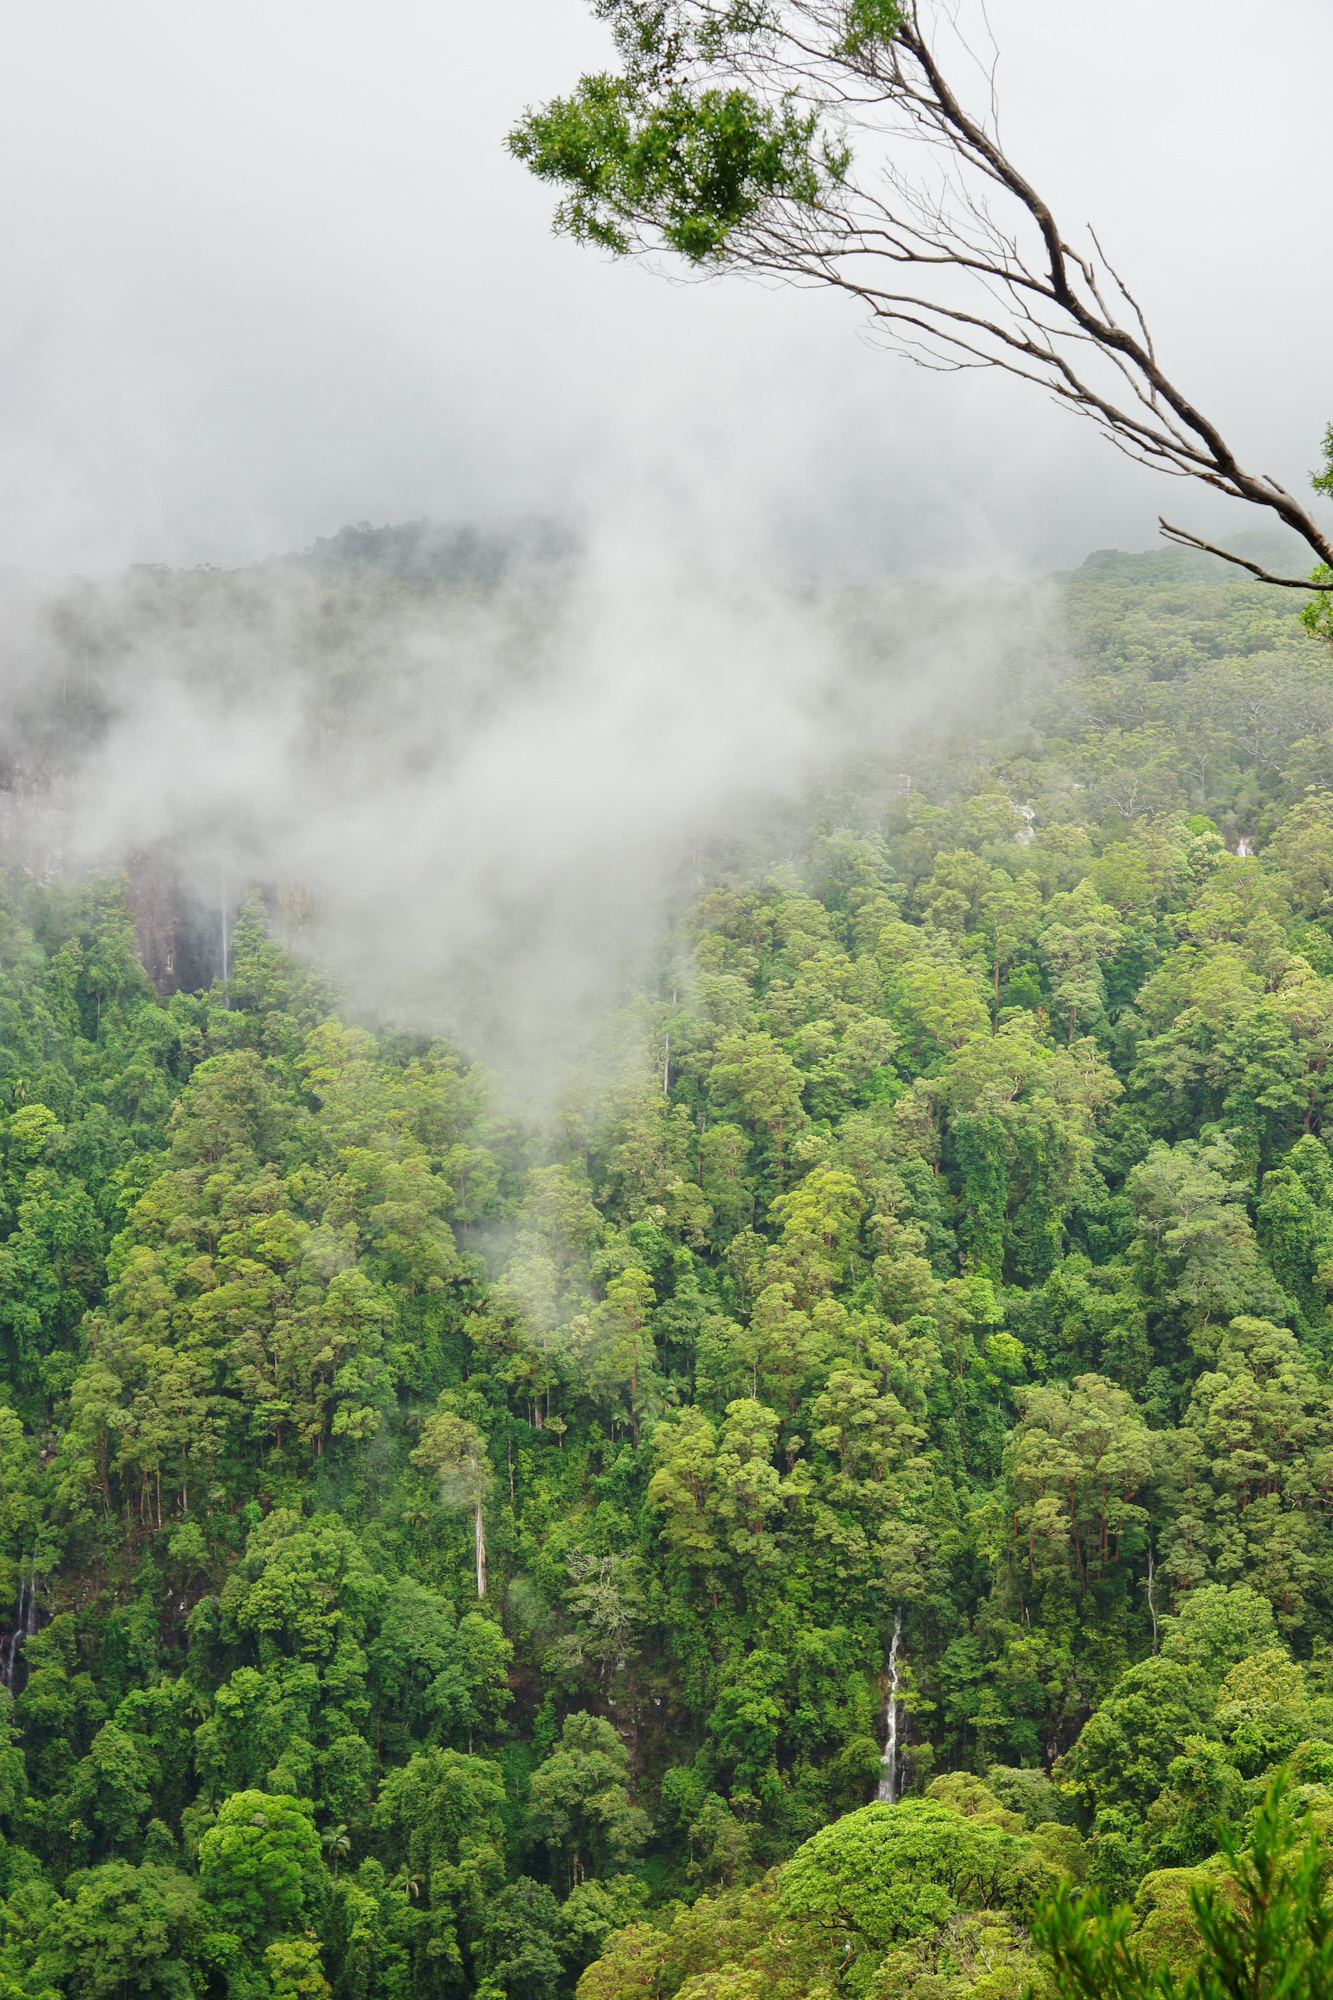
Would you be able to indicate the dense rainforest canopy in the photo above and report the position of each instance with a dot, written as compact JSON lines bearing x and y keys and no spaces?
{"x":446,"y":1552}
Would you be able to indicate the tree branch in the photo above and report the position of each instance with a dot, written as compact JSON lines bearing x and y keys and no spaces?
{"x":1265,"y":576}
{"x":1003,"y":289}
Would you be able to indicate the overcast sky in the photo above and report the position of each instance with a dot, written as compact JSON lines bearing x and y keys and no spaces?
{"x":268,"y":269}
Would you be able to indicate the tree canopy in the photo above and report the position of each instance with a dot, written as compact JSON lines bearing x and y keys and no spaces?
{"x":446,"y":1552}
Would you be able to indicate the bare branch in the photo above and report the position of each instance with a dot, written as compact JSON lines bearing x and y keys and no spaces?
{"x":1241,"y":562}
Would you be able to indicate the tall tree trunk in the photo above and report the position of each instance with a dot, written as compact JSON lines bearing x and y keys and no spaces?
{"x":479,"y":1537}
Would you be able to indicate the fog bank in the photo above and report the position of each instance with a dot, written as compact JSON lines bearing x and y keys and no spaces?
{"x":478,"y":790}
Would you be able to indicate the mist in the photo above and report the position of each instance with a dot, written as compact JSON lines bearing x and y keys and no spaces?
{"x":270,"y":275}
{"x":483,"y":795}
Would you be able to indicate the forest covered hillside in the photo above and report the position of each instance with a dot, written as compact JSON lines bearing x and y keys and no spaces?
{"x":859,"y":1464}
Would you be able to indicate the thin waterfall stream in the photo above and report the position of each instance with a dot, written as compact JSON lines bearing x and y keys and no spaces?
{"x":888,"y":1783}
{"x":25,"y":1627}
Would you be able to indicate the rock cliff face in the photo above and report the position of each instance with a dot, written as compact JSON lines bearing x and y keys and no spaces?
{"x":101,"y":680}
{"x":184,"y":937}
{"x":182,"y":941}
{"x":181,"y":934}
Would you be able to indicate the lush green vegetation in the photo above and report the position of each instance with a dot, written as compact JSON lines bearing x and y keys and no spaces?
{"x":445,"y":1554}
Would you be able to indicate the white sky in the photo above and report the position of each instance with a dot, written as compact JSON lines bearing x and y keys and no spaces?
{"x":267,"y":269}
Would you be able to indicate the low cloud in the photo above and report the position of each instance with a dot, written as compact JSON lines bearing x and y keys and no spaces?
{"x":481,"y":785}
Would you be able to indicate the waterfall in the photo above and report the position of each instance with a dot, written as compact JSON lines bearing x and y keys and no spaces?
{"x":25,"y":1625}
{"x":888,"y":1784}
{"x":9,"y":1647}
